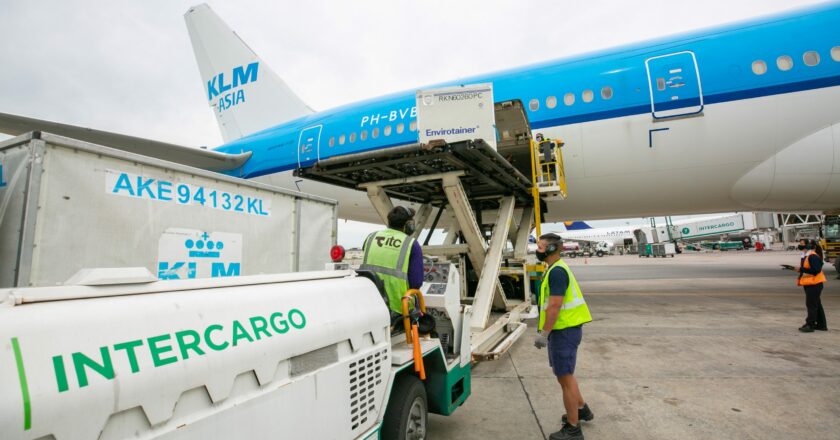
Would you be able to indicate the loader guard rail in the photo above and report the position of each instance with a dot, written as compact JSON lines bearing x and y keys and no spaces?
{"x":412,"y":332}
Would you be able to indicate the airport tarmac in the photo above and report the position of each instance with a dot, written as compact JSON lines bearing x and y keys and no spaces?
{"x":693,"y":347}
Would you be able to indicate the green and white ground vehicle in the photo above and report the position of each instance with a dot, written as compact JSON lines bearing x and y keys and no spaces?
{"x":117,"y":354}
{"x":195,"y":351}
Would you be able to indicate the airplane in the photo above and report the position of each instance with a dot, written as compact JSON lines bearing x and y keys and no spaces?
{"x":612,"y":236}
{"x":733,"y":225}
{"x":741,"y":117}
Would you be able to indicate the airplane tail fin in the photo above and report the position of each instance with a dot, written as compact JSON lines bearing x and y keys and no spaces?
{"x":576,"y":226}
{"x":246,"y":95}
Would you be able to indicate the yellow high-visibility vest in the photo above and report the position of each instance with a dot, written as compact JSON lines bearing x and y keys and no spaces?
{"x":387,"y":255}
{"x":574,"y":311}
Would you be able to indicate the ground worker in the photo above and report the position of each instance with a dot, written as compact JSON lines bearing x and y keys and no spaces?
{"x":546,"y":148}
{"x":395,"y":257}
{"x":563,"y":312}
{"x":812,"y":278}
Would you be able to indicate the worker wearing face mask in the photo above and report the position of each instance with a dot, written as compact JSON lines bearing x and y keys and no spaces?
{"x":562,"y":315}
{"x":801,"y":247}
{"x":395,"y":256}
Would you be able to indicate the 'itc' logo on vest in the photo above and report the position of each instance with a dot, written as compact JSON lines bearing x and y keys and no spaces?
{"x":390,"y":241}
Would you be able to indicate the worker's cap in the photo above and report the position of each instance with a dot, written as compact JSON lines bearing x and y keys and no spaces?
{"x":539,"y":136}
{"x":399,"y":215}
{"x":551,"y":237}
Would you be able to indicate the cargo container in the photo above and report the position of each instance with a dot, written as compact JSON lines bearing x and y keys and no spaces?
{"x":66,"y":205}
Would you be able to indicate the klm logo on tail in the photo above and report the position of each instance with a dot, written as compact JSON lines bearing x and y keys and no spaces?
{"x":225,"y":88}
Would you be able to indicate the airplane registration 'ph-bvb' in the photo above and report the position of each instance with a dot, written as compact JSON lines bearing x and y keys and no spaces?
{"x":741,"y":117}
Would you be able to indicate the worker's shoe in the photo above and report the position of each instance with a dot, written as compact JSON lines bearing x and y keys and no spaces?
{"x":822,"y":328}
{"x":584,"y":414}
{"x":806,"y":328}
{"x":568,"y":432}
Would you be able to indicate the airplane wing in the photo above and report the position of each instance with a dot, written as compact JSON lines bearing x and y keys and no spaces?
{"x":194,"y":157}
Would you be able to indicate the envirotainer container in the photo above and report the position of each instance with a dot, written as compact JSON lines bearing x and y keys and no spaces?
{"x":66,"y":205}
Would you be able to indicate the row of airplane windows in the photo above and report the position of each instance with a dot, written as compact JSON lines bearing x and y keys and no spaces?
{"x":374,"y":133}
{"x":784,"y":63}
{"x":811,"y":58}
{"x":586,"y":96}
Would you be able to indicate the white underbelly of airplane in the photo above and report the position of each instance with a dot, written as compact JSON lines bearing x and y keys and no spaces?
{"x":774,"y":153}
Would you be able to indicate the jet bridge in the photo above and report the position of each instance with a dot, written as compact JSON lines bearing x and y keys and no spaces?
{"x":468,"y":180}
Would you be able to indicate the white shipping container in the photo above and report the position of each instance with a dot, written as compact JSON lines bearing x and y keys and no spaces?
{"x":457,"y":114}
{"x":67,"y":205}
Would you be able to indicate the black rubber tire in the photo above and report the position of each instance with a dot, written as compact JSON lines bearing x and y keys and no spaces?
{"x":572,"y":255}
{"x":599,"y":254}
{"x":407,"y":389}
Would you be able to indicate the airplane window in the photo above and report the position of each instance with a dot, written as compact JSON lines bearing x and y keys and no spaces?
{"x":363,"y":135}
{"x":332,"y":141}
{"x":835,"y":53}
{"x":534,"y":105}
{"x":387,"y":130}
{"x":759,"y":67}
{"x":569,"y":99}
{"x":811,"y":58}
{"x":784,"y":63}
{"x":400,"y":128}
{"x":606,"y":92}
{"x":551,"y":102}
{"x":413,"y":125}
{"x":374,"y":133}
{"x":341,"y":140}
{"x":352,"y":137}
{"x":587,"y":96}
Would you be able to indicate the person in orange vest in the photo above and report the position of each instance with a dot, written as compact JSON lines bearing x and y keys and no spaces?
{"x":812,"y":279}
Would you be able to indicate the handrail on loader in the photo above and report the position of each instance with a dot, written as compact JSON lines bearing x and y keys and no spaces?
{"x":412,"y":334}
{"x":546,"y":175}
{"x":406,"y":321}
{"x":549,"y":172}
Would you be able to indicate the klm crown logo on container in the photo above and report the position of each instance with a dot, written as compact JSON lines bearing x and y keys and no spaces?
{"x":199,"y":256}
{"x":227,"y":87}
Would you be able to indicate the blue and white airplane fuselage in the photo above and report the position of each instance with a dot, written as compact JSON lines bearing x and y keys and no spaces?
{"x":742,"y":117}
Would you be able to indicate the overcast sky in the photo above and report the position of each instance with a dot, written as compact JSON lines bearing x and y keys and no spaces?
{"x":128,"y":67}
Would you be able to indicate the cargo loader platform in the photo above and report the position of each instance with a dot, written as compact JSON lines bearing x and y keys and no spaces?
{"x":404,"y":172}
{"x":469,"y":180}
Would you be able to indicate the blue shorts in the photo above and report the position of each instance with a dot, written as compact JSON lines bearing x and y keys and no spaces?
{"x":562,"y":349}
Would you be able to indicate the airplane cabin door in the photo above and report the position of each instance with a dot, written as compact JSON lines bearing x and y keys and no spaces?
{"x":309,"y":143}
{"x":675,"y":88}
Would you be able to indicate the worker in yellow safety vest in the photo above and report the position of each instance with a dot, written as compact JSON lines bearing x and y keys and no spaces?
{"x":563,"y":312}
{"x":395,"y":257}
